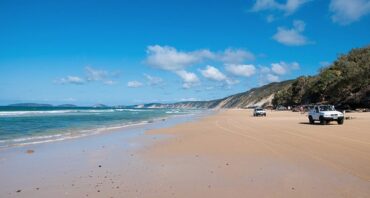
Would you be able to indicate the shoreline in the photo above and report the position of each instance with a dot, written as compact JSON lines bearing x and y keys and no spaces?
{"x":62,"y":136}
{"x":228,"y":153}
{"x":22,"y":170}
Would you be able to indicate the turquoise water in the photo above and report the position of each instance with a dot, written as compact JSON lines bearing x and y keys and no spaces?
{"x":31,"y":125}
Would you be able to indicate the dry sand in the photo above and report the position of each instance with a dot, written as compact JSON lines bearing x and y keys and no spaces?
{"x":229,"y":154}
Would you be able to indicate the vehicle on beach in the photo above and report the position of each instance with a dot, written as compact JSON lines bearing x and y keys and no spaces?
{"x":281,"y":108}
{"x":259,"y":112}
{"x":325,"y":114}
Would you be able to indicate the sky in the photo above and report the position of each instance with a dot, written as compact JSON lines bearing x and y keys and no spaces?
{"x":133,"y":52}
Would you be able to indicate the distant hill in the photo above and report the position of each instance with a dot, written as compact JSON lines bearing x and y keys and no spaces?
{"x":30,"y":105}
{"x":261,"y":96}
{"x":100,"y":106}
{"x":67,"y":105}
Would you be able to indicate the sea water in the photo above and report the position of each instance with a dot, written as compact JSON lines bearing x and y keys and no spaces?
{"x":32,"y":125}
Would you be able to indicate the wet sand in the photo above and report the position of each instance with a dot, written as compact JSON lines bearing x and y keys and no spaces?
{"x":229,"y":154}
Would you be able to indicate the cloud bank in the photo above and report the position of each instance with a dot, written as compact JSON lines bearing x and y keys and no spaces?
{"x":170,"y":59}
{"x":241,"y":70}
{"x":289,"y":7}
{"x":293,"y":36}
{"x":345,"y":12}
{"x":134,"y":84}
{"x":91,"y":75}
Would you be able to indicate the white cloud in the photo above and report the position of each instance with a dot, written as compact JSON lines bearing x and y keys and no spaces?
{"x":295,"y":66}
{"x":134,"y":84}
{"x":292,"y":6}
{"x":189,"y":79}
{"x":95,"y":74}
{"x":345,"y":12}
{"x":292,"y":37}
{"x":241,"y":70}
{"x":272,"y":78}
{"x":265,"y":5}
{"x":103,"y":76}
{"x":213,"y":73}
{"x":169,"y":58}
{"x":71,"y":80}
{"x":188,"y":99}
{"x":273,"y":73}
{"x":264,"y":69}
{"x":91,"y":75}
{"x":278,"y":69}
{"x":283,"y":67}
{"x":231,"y":82}
{"x":289,"y":7}
{"x":231,"y":55}
{"x":153,"y":80}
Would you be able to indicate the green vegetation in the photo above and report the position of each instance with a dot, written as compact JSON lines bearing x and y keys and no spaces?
{"x":345,"y":83}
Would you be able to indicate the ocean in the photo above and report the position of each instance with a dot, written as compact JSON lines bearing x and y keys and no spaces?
{"x":32,"y":125}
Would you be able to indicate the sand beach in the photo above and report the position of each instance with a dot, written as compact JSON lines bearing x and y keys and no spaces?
{"x":227,"y":154}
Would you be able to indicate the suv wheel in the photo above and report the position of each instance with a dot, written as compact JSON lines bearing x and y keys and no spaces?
{"x":311,"y":120}
{"x":322,"y":120}
{"x":340,"y":121}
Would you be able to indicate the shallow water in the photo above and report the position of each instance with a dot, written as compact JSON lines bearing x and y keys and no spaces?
{"x":22,"y":125}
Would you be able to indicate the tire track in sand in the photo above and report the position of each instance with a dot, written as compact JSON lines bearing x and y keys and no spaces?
{"x":305,"y":151}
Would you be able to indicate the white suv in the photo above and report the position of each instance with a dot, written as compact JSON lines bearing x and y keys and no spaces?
{"x":259,"y":112}
{"x":325,"y":114}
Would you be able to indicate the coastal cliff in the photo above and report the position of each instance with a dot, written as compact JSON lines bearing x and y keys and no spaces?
{"x":261,"y":96}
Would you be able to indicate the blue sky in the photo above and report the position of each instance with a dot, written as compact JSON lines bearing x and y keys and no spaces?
{"x":132,"y":52}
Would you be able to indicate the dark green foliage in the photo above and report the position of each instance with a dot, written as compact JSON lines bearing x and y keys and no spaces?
{"x":344,"y":83}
